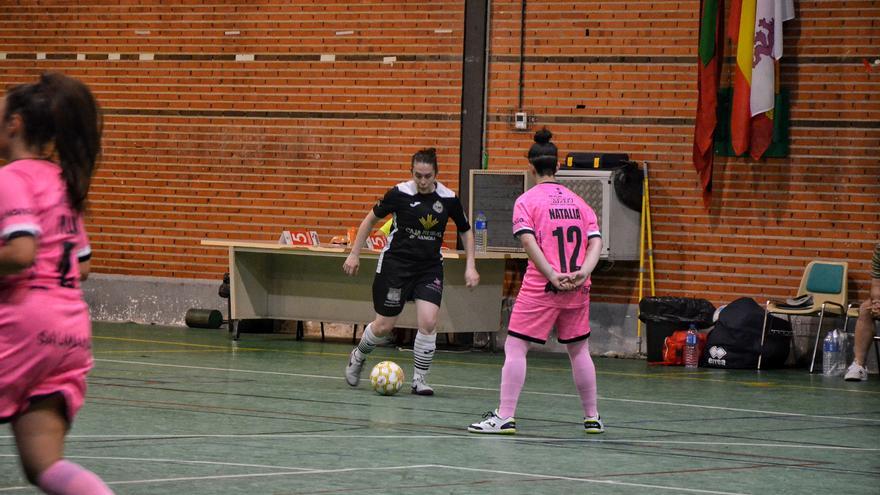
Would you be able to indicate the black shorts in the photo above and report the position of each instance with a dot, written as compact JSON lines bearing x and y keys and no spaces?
{"x":396,"y":283}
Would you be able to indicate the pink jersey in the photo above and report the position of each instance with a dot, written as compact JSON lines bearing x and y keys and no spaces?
{"x":33,"y":201}
{"x":45,"y":331}
{"x":563,"y":224}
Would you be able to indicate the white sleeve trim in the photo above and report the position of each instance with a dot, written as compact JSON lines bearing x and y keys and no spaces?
{"x":82,"y":253}
{"x":30,"y":228}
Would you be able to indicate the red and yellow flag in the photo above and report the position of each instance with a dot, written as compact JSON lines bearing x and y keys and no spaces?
{"x":758,"y":50}
{"x":740,"y":112}
{"x":711,"y":50}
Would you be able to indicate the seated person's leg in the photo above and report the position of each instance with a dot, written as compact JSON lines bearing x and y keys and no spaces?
{"x":864,"y":336}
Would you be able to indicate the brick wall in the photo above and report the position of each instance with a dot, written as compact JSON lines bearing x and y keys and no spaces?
{"x":235,"y":120}
{"x":620,"y":76}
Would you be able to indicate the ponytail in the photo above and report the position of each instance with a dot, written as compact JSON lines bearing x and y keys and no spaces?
{"x":61,"y":117}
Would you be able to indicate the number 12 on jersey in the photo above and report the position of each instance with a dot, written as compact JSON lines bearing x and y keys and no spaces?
{"x":563,"y":238}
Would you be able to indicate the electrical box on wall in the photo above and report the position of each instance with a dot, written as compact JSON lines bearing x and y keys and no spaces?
{"x":618,"y":223}
{"x":520,"y":121}
{"x":494,"y":193}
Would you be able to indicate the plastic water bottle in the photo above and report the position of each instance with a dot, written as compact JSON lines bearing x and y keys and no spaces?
{"x":481,"y":232}
{"x":846,"y":350}
{"x":691,"y":359}
{"x":832,"y":355}
{"x":840,"y":363}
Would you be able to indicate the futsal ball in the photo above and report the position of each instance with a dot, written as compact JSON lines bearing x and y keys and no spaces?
{"x":386,"y":378}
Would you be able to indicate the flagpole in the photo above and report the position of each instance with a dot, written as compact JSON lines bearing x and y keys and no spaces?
{"x":642,"y":217}
{"x":644,"y":250}
{"x":650,"y":249}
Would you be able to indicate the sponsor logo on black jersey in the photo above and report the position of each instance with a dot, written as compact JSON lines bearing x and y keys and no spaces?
{"x":436,"y":285}
{"x":428,"y":222}
{"x":392,"y":298}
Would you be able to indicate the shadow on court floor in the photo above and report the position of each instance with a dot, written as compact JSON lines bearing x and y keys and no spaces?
{"x":185,"y":411}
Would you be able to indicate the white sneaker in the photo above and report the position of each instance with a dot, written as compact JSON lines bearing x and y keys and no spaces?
{"x":856,"y":373}
{"x":593,"y":426}
{"x":353,"y":370}
{"x":492,"y":423}
{"x":419,"y":387}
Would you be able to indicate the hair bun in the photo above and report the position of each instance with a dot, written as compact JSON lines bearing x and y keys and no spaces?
{"x":543,"y":136}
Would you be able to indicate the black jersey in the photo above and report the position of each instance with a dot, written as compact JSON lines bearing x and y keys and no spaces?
{"x":419,"y":221}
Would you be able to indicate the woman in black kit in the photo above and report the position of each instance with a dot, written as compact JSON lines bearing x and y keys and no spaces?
{"x":411,"y":266}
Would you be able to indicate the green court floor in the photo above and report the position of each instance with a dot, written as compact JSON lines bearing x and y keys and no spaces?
{"x":184,"y":411}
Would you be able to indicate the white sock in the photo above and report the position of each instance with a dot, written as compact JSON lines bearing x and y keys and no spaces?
{"x":423,"y":354}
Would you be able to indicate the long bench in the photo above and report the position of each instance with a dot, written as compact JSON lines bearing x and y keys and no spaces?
{"x":306,"y":283}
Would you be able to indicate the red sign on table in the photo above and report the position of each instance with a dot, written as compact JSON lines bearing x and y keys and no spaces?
{"x":299,"y":238}
{"x":377,"y":242}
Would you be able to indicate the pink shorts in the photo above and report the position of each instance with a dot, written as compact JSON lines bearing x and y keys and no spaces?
{"x":533,"y":322}
{"x":45,"y":348}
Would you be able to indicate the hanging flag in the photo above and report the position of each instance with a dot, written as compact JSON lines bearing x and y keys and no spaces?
{"x":733,"y":20}
{"x":741,"y":115}
{"x":711,"y":50}
{"x":766,"y":52}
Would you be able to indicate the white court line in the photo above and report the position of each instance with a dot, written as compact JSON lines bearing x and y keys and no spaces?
{"x":281,"y":373}
{"x":249,"y":475}
{"x":736,"y":409}
{"x":465,"y":437}
{"x":175,"y":461}
{"x":586,"y":480}
{"x":485,"y":389}
{"x":397,"y":468}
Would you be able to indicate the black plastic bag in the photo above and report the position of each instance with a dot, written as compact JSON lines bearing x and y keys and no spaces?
{"x":679,"y":310}
{"x":629,"y":185}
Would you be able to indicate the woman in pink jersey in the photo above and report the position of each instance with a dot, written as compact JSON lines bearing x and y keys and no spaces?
{"x":560,"y":234}
{"x":50,"y":138}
